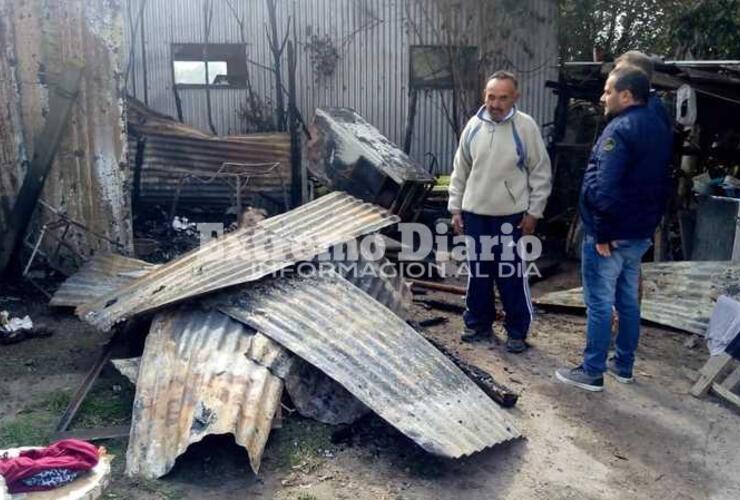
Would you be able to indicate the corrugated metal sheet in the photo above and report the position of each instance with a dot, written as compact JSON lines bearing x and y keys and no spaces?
{"x":380,"y":279}
{"x":89,"y":170}
{"x":192,"y":165}
{"x":676,"y":294}
{"x":244,"y":255}
{"x":99,"y":276}
{"x":194,"y":380}
{"x":12,"y":147}
{"x":176,"y":157}
{"x":372,"y":39}
{"x":128,"y":367}
{"x":377,"y":357}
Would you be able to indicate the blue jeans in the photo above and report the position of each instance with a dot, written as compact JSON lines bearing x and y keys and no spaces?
{"x":506,"y":271}
{"x":612,"y":282}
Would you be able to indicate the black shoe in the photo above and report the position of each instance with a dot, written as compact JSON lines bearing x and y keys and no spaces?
{"x":470,"y":335}
{"x":578,"y":377}
{"x":516,"y":345}
{"x":622,"y":376}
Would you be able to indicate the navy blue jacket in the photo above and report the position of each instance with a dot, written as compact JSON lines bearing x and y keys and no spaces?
{"x":627,"y":180}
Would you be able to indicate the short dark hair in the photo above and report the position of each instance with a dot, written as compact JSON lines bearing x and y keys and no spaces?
{"x":633,"y":79}
{"x":504,"y":75}
{"x":638,"y":59}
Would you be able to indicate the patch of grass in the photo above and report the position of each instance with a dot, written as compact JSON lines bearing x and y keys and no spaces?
{"x":124,"y":488}
{"x":301,"y":442}
{"x":26,"y":430}
{"x":101,"y":407}
{"x":35,"y":423}
{"x":306,"y":496}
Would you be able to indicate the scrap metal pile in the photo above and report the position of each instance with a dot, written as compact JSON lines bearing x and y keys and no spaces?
{"x":251,"y":315}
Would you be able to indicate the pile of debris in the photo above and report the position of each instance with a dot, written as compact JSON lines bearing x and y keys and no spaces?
{"x":252,"y":314}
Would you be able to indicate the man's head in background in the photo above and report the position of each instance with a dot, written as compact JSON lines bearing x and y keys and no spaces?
{"x":637,"y":59}
{"x":626,"y":86}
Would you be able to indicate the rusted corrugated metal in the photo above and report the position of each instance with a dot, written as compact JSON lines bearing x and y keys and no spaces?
{"x":195,"y":380}
{"x":377,"y":357}
{"x":99,"y":276}
{"x":677,"y":294}
{"x":13,"y":155}
{"x":244,"y":255}
{"x":179,"y":161}
{"x":372,"y":39}
{"x":87,"y":178}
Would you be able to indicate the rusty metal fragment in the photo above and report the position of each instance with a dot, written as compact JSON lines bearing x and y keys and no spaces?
{"x":194,"y":380}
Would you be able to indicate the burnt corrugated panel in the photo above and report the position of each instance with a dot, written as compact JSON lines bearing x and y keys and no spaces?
{"x":244,"y":255}
{"x":377,"y":357}
{"x":677,"y":294}
{"x":188,"y":167}
{"x":194,"y":380}
{"x":99,"y":276}
{"x":380,"y":279}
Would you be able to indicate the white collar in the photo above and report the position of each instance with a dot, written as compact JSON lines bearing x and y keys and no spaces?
{"x":487,"y":115}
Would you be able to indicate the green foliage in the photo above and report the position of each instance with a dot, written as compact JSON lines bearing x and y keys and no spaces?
{"x":708,"y":30}
{"x":676,"y":29}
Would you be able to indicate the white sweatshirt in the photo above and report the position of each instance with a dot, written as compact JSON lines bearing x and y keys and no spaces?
{"x":500,"y":168}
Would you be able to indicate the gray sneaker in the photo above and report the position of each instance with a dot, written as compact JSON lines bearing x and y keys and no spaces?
{"x":470,"y":335}
{"x":579,"y":378}
{"x":622,"y":376}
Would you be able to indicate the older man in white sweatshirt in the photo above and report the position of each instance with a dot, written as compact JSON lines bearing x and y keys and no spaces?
{"x":498,"y":190}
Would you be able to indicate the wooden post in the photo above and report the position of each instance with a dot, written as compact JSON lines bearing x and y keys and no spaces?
{"x":410,"y":120}
{"x":296,"y":185}
{"x":208,"y":11}
{"x":277,"y":51}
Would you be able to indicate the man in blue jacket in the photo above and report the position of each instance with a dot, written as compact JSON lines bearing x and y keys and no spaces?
{"x":623,"y":196}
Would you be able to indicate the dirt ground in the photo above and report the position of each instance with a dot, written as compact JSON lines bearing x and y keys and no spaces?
{"x":646,"y":440}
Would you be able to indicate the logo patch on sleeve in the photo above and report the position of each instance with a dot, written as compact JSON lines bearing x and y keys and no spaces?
{"x":609,"y":144}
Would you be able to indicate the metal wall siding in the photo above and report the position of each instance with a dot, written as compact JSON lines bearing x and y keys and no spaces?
{"x":12,"y":147}
{"x":87,"y":178}
{"x":372,"y":71}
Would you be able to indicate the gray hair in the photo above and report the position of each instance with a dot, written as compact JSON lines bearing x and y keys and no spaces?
{"x":504,"y":75}
{"x":639,"y":60}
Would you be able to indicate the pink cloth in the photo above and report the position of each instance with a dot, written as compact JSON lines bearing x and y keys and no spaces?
{"x":71,"y":454}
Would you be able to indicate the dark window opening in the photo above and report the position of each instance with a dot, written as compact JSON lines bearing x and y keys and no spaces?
{"x":433,"y":66}
{"x":227,"y":64}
